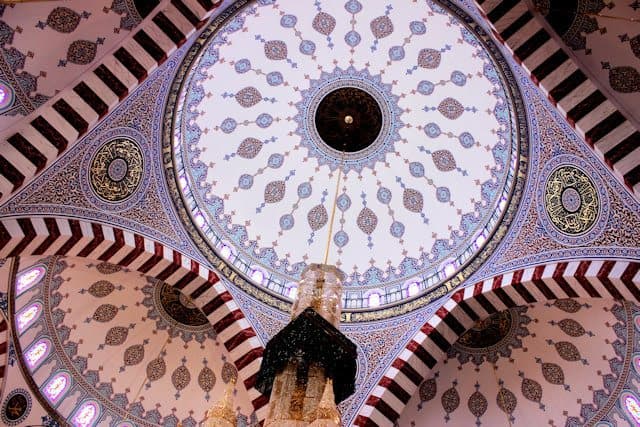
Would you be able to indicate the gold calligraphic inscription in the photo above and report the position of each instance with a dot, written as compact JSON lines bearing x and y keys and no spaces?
{"x":571,"y":200}
{"x":116,"y":169}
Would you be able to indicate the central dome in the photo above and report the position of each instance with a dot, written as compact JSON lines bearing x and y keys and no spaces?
{"x":348,"y":119}
{"x":414,"y":105}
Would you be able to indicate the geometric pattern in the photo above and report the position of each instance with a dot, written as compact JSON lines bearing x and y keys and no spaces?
{"x":62,"y":236}
{"x":61,"y":124}
{"x":614,"y":279}
{"x":613,"y":138}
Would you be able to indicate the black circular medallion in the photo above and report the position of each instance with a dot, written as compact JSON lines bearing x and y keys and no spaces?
{"x":180,"y":307}
{"x":348,"y":119}
{"x":16,"y":407}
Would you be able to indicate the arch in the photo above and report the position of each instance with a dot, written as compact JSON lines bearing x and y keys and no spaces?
{"x":576,"y":97}
{"x":607,"y":278}
{"x":4,"y":347}
{"x":42,"y":137}
{"x":46,"y":236}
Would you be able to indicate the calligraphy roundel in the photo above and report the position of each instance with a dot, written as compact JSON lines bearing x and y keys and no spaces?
{"x":16,"y":407}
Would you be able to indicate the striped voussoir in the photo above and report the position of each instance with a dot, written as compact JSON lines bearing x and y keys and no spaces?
{"x":63,"y":120}
{"x":587,"y":109}
{"x":615,"y":279}
{"x":4,"y":343}
{"x":70,"y":237}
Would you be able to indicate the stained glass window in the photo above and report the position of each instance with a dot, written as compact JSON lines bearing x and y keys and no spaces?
{"x":29,"y":278}
{"x":28,"y":316}
{"x":374,"y":300}
{"x":37,"y":353}
{"x":86,"y":415}
{"x":57,"y":386}
{"x":632,"y":406}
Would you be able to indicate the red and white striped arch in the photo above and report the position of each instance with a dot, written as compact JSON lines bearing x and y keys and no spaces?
{"x":62,"y":121}
{"x":615,"y":279}
{"x":613,"y":138}
{"x":100,"y":242}
{"x":4,"y":347}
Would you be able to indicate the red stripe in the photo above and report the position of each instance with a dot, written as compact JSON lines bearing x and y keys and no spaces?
{"x":239,"y":338}
{"x":395,"y":388}
{"x":627,"y":279}
{"x":155,"y":259}
{"x":497,"y":282}
{"x":442,"y":312}
{"x":98,"y":238}
{"x":216,"y":303}
{"x":362,"y":421}
{"x":584,"y":282}
{"x":386,"y":410}
{"x":248,"y":358}
{"x":603,"y":275}
{"x":227,"y":321}
{"x":29,"y":234}
{"x":542,"y":287}
{"x":558,"y":276}
{"x":259,"y":401}
{"x":138,"y":241}
{"x":458,"y":296}
{"x":172,"y":268}
{"x":76,"y":235}
{"x":115,"y":247}
{"x":5,"y":237}
{"x":54,"y":233}
{"x":408,"y":371}
{"x":477,"y":288}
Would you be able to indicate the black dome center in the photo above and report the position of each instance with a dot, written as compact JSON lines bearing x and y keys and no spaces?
{"x":348,"y":119}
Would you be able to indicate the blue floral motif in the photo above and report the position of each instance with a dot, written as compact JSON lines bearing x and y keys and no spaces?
{"x":416,"y":169}
{"x":288,"y":21}
{"x":275,"y":160}
{"x":275,"y":78}
{"x":242,"y":66}
{"x":384,"y":195}
{"x":443,"y":194}
{"x":304,"y":190}
{"x":352,"y":38}
{"x":425,"y":87}
{"x":418,"y":28}
{"x":341,"y":239}
{"x":432,"y":130}
{"x":264,"y":120}
{"x":396,"y":229}
{"x":307,"y":47}
{"x":245,"y":181}
{"x":353,"y":6}
{"x":396,"y":53}
{"x":458,"y":78}
{"x":287,"y":222}
{"x":466,"y":140}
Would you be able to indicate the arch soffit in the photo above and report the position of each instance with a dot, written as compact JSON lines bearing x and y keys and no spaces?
{"x":607,"y":278}
{"x":70,"y":237}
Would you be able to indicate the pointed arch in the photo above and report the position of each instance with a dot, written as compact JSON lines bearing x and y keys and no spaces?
{"x":605,"y":278}
{"x":46,"y":236}
{"x":607,"y":131}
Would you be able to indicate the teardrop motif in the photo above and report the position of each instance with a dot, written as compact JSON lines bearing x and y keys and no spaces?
{"x":553,"y":373}
{"x":101,"y":288}
{"x":567,"y":351}
{"x":317,"y":217}
{"x":367,"y":221}
{"x":506,"y":400}
{"x":181,"y":377}
{"x":568,"y":305}
{"x":477,"y":404}
{"x":206,"y":379}
{"x":249,"y":148}
{"x":229,"y":373}
{"x":133,"y":355}
{"x":531,"y":390}
{"x":571,"y":327}
{"x":116,"y":335}
{"x":450,"y":400}
{"x":428,"y":390}
{"x":156,"y":369}
{"x":105,"y":313}
{"x":412,"y":200}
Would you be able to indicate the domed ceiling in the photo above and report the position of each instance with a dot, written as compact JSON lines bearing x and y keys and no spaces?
{"x":391,"y":128}
{"x":98,"y":338}
{"x":566,"y":363}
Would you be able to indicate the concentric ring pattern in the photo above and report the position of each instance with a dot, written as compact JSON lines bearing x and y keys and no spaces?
{"x":413,"y":207}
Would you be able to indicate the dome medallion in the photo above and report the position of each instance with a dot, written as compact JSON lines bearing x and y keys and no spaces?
{"x":412,"y":101}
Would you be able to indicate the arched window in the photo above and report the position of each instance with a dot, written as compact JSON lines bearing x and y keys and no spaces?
{"x":87,"y":414}
{"x":631,"y":405}
{"x":28,"y":316}
{"x":36,"y":354}
{"x":412,"y":289}
{"x":29,"y":278}
{"x":374,"y":299}
{"x":56,"y":387}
